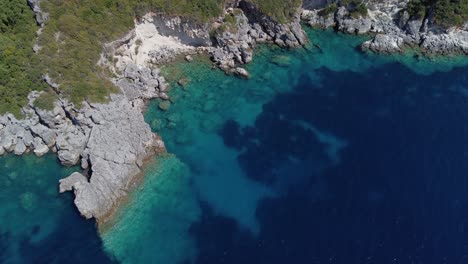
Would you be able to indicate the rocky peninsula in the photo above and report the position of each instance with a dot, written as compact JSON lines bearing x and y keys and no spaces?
{"x":111,"y":141}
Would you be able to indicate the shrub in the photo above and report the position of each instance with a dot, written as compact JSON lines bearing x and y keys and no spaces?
{"x":328,"y":10}
{"x":280,"y":10}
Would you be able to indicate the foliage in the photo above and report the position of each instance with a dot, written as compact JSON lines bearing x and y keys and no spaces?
{"x":416,"y":9}
{"x":46,"y":100}
{"x":356,"y":8}
{"x":328,"y":10}
{"x":360,"y":10}
{"x":71,"y":42}
{"x":446,"y":13}
{"x":20,"y":71}
{"x":280,"y":10}
{"x":449,"y":13}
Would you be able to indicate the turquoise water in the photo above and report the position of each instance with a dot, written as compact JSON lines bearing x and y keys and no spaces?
{"x":261,"y":170}
{"x":193,"y":126}
{"x":39,"y":225}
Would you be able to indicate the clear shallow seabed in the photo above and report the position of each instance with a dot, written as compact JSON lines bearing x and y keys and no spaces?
{"x":326,"y":155}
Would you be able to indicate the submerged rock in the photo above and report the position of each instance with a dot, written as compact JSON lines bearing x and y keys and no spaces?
{"x":242,"y":72}
{"x":164,"y":105}
{"x":28,"y":201}
{"x":188,"y":58}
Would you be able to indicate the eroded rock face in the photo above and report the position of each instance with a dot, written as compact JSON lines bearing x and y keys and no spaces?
{"x":111,"y":140}
{"x":395,"y":30}
{"x":114,"y":153}
{"x":289,"y":34}
{"x":236,"y":38}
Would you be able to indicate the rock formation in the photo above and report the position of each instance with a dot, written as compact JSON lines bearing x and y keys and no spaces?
{"x":394,"y":29}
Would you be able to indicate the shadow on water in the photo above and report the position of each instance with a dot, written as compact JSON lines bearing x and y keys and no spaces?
{"x":398,"y":193}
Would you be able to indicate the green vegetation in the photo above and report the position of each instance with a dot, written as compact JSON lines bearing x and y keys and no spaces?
{"x":360,"y":10}
{"x":20,"y":71}
{"x":328,"y":10}
{"x":71,"y":43}
{"x":280,"y":10}
{"x":416,"y":9}
{"x":447,"y":13}
{"x":356,"y":8}
{"x":73,"y":37}
{"x":46,"y":100}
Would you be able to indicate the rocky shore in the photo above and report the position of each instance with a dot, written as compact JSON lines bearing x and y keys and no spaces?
{"x":111,"y":140}
{"x":392,"y":27}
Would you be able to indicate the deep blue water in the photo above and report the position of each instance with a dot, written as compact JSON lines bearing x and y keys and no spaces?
{"x":398,"y":195}
{"x":323,"y":156}
{"x":37,"y":224}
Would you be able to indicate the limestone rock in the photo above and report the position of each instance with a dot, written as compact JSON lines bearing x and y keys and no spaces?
{"x":40,"y":149}
{"x":384,"y":43}
{"x":20,"y":148}
{"x":67,"y":184}
{"x":188,"y":58}
{"x":395,"y":29}
{"x":242,"y":72}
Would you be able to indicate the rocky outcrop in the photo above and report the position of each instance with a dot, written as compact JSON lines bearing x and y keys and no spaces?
{"x":393,"y":28}
{"x":289,"y":34}
{"x":39,"y":15}
{"x":118,"y":143}
{"x":243,"y":27}
{"x":110,"y":140}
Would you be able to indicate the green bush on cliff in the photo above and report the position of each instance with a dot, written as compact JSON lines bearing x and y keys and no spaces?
{"x":356,"y":8}
{"x":280,"y":10}
{"x":446,"y":13}
{"x":449,"y":13}
{"x":416,"y":9}
{"x":328,"y":10}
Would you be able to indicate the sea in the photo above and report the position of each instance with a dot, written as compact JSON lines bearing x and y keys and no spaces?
{"x":325,"y":155}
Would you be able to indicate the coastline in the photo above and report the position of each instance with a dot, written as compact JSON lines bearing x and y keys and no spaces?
{"x":68,"y":130}
{"x":106,"y":222}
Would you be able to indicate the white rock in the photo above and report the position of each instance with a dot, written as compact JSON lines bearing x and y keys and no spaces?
{"x":41,"y":150}
{"x":20,"y":148}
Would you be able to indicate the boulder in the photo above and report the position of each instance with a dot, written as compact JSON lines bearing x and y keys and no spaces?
{"x":241,"y":72}
{"x":41,"y":149}
{"x":188,"y":58}
{"x":164,"y":105}
{"x":20,"y":148}
{"x":69,"y":158}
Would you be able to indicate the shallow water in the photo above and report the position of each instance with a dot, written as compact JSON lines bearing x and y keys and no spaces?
{"x":326,"y":155}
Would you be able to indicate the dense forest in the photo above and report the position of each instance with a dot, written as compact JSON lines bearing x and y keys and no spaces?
{"x":20,"y":71}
